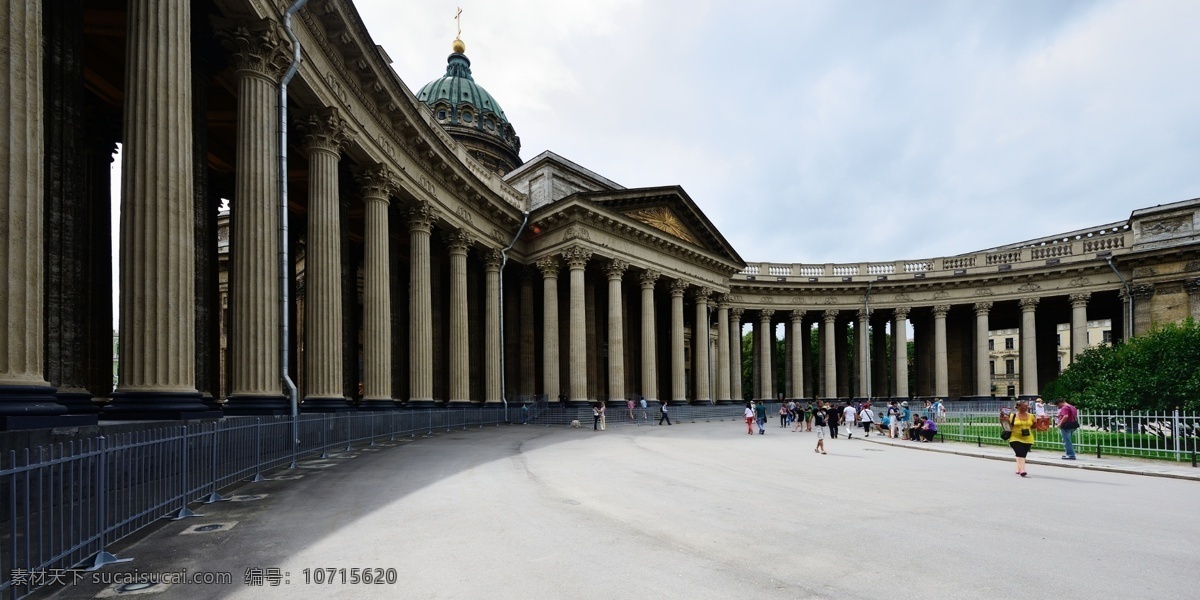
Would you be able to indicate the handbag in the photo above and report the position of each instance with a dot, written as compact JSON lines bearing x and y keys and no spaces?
{"x":1004,"y":435}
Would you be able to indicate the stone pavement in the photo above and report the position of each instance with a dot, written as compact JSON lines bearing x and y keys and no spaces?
{"x":689,"y":511}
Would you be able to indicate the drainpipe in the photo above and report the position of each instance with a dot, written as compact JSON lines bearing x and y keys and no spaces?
{"x":867,"y":353}
{"x":1128,"y":294}
{"x":504,"y":261}
{"x":283,"y":229}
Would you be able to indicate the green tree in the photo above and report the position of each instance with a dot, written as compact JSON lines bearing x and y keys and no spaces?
{"x":1159,"y":371}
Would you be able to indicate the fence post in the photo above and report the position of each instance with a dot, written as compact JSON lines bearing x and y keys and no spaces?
{"x":372,"y":444}
{"x":1176,"y":430}
{"x":258,"y":452}
{"x":347,"y":418}
{"x":184,"y":512}
{"x":324,"y":435}
{"x":104,"y":557}
{"x":213,"y":496}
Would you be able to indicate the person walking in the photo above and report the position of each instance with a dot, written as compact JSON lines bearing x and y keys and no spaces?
{"x":629,"y":406}
{"x":1068,"y":422}
{"x":800,"y":416}
{"x":749,"y":415}
{"x":832,"y":416}
{"x":793,"y":411}
{"x":1021,"y":439}
{"x":596,"y":416}
{"x":603,"y":416}
{"x":664,"y":414}
{"x":783,"y":416}
{"x":849,"y":419}
{"x":893,"y":414}
{"x":866,"y":418}
{"x":760,"y":412}
{"x":645,"y":415}
{"x":819,"y":415}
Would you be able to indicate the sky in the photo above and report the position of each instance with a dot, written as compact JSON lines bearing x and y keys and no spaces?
{"x":826,"y":131}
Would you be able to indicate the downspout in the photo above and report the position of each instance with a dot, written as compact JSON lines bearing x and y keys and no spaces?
{"x":284,"y":299}
{"x":867,"y":350}
{"x":1128,"y":294}
{"x":504,"y":261}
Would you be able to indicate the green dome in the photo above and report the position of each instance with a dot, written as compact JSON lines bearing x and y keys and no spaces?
{"x":457,"y":88}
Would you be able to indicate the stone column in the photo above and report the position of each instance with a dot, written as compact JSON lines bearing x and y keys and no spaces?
{"x":1079,"y":304}
{"x":796,"y":319}
{"x":324,"y":135}
{"x":735,"y":351}
{"x":1029,"y":376}
{"x":259,"y":56}
{"x":420,"y":302}
{"x":828,"y":328}
{"x":983,"y":374}
{"x":528,"y":335}
{"x":678,"y":385}
{"x":24,"y":390}
{"x":941,"y":380}
{"x":491,"y":326}
{"x":863,"y":328}
{"x":577,"y":258}
{"x":845,"y":361}
{"x":616,"y":331}
{"x":377,"y":184}
{"x":722,"y":377}
{"x":1192,"y":286}
{"x":900,"y":338}
{"x":700,"y":346}
{"x":158,"y":312}
{"x":460,"y":358}
{"x":550,"y":369}
{"x":806,"y":361}
{"x":768,"y":341}
{"x":649,"y":345}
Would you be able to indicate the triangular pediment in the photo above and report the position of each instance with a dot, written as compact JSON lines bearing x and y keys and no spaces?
{"x":666,"y":220}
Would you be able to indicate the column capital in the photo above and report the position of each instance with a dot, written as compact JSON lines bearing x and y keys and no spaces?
{"x":1192,"y":286}
{"x":701,"y":294}
{"x":256,"y":46}
{"x":765,"y":315}
{"x":722,"y":300}
{"x":376,"y":182}
{"x":678,"y":287}
{"x":421,"y":217}
{"x":830,"y":315}
{"x":458,"y":242}
{"x":864,"y":314}
{"x":649,"y":278}
{"x":901,"y":312}
{"x":939,"y":311}
{"x":1141,"y":291}
{"x":796,"y":316}
{"x":549,"y":266}
{"x":737,"y":313}
{"x":491,"y":259}
{"x":324,"y":130}
{"x":982,"y":308}
{"x":576,"y":257}
{"x":1079,"y":299}
{"x":615,"y":269}
{"x":1029,"y":304}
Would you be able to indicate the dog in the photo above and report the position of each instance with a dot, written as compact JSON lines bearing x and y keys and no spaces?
{"x":575,"y":424}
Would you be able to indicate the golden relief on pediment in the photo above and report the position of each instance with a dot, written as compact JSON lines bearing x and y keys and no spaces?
{"x":664,"y":220}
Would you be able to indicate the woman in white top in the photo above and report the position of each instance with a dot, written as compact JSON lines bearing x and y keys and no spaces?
{"x":749,"y":414}
{"x":849,"y":419}
{"x":867,"y":418}
{"x":1039,"y":408}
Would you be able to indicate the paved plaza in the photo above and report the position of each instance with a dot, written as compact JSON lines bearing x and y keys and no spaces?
{"x":689,"y":511}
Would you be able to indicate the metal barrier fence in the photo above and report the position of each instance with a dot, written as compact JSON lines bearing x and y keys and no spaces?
{"x":547,"y":413}
{"x":1161,"y":435}
{"x":62,"y":506}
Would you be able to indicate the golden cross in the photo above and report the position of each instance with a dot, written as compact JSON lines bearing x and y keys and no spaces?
{"x":458,"y":21}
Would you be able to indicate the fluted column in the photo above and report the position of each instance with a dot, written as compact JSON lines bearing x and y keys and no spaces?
{"x":577,"y":258}
{"x":420,"y":305}
{"x":862,"y":328}
{"x":735,"y":354}
{"x":376,"y":184}
{"x":941,"y":384}
{"x":528,"y":335}
{"x":722,"y":377}
{"x":616,"y":331}
{"x":796,"y":321}
{"x":649,"y":343}
{"x":700,"y":346}
{"x":491,"y":326}
{"x":1029,"y":375}
{"x":324,"y":135}
{"x":1079,"y":340}
{"x":766,"y":378}
{"x":678,"y":381}
{"x":157,"y":349}
{"x":829,"y":318}
{"x":900,"y":353}
{"x":460,"y":358}
{"x":983,"y":375}
{"x":24,"y":390}
{"x":550,"y":368}
{"x":259,"y":56}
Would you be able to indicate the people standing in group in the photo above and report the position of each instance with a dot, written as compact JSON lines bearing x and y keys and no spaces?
{"x":1021,"y":439}
{"x":595,"y":416}
{"x":783,"y":415}
{"x":832,"y":415}
{"x":866,"y":418}
{"x":1068,"y":422}
{"x":749,"y":415}
{"x":893,"y":413}
{"x":819,"y":415}
{"x":939,"y":411}
{"x":664,"y":416}
{"x":760,"y":413}
{"x":849,"y":419}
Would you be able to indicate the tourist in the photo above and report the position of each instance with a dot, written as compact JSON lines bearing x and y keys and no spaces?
{"x":849,"y":419}
{"x":809,"y":411}
{"x":664,"y":415}
{"x":939,"y":411}
{"x":831,"y":417}
{"x":596,"y":416}
{"x":927,"y":410}
{"x":914,"y":430}
{"x":760,"y":412}
{"x":884,"y":426}
{"x":603,"y":416}
{"x":645,"y":415}
{"x":1022,"y":434}
{"x":1068,"y":422}
{"x":928,"y":430}
{"x":783,"y":415}
{"x":866,"y":418}
{"x":629,"y":406}
{"x":819,"y":417}
{"x":792,"y":411}
{"x":749,"y":416}
{"x":524,"y":413}
{"x":800,"y":414}
{"x":893,"y":419}
{"x":905,"y":418}
{"x":1039,"y":408}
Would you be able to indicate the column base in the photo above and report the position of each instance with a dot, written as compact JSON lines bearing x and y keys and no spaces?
{"x":157,"y":406}
{"x":377,"y":404}
{"x":21,"y":423}
{"x":725,"y":402}
{"x":461,"y":404}
{"x":314,"y":404}
{"x":29,"y":401}
{"x":246,"y":405}
{"x":423,"y":403}
{"x":77,"y":402}
{"x":209,"y":401}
